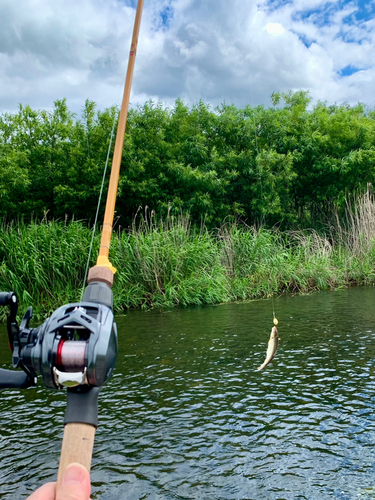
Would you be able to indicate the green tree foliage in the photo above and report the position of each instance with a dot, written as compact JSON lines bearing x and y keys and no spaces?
{"x":289,"y":164}
{"x":50,"y":162}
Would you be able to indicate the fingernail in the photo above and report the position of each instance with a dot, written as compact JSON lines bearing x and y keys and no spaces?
{"x":75,"y":473}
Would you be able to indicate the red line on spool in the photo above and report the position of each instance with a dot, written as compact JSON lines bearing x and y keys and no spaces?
{"x":58,"y":354}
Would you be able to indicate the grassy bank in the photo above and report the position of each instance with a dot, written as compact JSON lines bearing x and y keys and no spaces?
{"x":168,"y":263}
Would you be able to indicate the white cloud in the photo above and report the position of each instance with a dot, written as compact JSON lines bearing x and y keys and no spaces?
{"x":275,"y":29}
{"x":216,"y":50}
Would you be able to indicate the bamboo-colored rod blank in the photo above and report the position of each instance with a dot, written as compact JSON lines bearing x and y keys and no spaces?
{"x":77,"y":446}
{"x":117,"y":155}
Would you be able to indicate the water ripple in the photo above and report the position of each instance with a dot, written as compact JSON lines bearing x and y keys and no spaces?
{"x":187,"y":415}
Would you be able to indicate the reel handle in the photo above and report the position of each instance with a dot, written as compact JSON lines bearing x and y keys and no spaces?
{"x":10,"y":379}
{"x":10,"y":299}
{"x":6,"y":298}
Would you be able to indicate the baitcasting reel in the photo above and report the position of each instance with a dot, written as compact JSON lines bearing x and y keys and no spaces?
{"x":75,"y":347}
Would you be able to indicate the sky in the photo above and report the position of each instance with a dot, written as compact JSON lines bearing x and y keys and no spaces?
{"x":232,"y":51}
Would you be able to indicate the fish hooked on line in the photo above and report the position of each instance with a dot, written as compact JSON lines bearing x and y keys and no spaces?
{"x":273,"y":344}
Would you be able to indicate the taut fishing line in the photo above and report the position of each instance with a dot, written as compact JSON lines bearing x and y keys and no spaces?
{"x":256,"y":141}
{"x":98,"y":206}
{"x":275,"y":320}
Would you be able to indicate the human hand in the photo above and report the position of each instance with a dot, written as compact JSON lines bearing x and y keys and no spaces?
{"x":75,"y":485}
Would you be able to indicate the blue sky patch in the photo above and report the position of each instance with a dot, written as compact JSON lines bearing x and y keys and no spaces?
{"x":166,"y":16}
{"x":277,"y":4}
{"x":321,"y":15}
{"x":348,"y":70}
{"x":366,"y":10}
{"x":130,"y":3}
{"x":305,"y":40}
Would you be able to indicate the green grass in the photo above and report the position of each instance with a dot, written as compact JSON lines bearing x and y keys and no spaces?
{"x":168,"y":263}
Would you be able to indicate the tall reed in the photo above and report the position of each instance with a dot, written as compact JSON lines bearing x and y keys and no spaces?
{"x":43,"y":262}
{"x":356,"y":231}
{"x":168,"y":262}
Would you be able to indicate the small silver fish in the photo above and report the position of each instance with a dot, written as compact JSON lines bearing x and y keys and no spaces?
{"x":272,"y":348}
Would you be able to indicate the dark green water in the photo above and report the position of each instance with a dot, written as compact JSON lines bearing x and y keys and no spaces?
{"x":188,"y":416}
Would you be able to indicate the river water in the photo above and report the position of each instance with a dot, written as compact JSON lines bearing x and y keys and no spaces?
{"x":188,"y":416}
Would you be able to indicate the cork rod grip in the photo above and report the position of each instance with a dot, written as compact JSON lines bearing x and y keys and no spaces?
{"x":77,"y":446}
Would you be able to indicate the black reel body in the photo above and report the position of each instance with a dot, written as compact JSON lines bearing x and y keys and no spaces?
{"x":75,"y":347}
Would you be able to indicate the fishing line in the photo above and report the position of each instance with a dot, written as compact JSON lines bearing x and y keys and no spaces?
{"x":256,"y":141}
{"x":275,"y":320}
{"x":98,"y":206}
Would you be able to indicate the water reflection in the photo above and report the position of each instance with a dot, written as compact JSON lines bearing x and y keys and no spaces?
{"x":187,"y":415}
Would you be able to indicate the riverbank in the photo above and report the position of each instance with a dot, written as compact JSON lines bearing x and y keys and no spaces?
{"x":169,"y":263}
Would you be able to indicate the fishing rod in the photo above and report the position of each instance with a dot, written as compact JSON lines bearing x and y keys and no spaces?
{"x":76,"y":347}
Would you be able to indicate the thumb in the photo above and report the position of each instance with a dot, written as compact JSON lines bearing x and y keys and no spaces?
{"x":75,"y":484}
